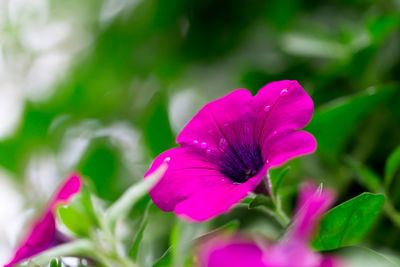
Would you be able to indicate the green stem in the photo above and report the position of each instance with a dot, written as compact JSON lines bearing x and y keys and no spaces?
{"x":391,"y":212}
{"x":81,"y":247}
{"x":129,"y":198}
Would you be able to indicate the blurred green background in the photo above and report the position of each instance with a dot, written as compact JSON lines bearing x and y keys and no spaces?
{"x":102,"y":87}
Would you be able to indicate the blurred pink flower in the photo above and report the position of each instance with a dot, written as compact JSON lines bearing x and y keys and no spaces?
{"x":229,"y":145}
{"x":43,"y":233}
{"x":292,"y":251}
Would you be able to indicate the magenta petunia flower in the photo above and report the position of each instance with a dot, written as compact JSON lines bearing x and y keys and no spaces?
{"x":227,"y":148}
{"x":292,"y":251}
{"x":43,"y":233}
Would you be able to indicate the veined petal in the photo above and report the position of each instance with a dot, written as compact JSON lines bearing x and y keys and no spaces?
{"x":210,"y":124}
{"x":281,"y":106}
{"x":195,"y":188}
{"x":287,"y":145}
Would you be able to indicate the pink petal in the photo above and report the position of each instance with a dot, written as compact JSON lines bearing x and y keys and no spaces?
{"x":210,"y":124}
{"x":43,"y":233}
{"x":286,"y":145}
{"x":285,"y":254}
{"x":195,"y":188}
{"x":279,"y":106}
{"x":70,"y":187}
{"x":228,"y":252}
{"x":39,"y":239}
{"x":331,"y":261}
{"x":314,"y":202}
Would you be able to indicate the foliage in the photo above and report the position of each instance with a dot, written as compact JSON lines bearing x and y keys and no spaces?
{"x":145,"y":67}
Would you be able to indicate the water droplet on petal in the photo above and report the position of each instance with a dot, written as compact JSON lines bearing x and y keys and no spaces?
{"x":167,"y":159}
{"x":267,"y":108}
{"x":222,"y":142}
{"x":195,"y":142}
{"x":203,"y":145}
{"x":284,"y":92}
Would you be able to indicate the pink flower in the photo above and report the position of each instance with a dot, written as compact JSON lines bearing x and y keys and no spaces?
{"x":227,"y":148}
{"x":292,"y":251}
{"x":43,"y":233}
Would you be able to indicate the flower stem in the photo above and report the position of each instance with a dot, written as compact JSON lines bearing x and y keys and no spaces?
{"x":129,"y":198}
{"x":80,"y":247}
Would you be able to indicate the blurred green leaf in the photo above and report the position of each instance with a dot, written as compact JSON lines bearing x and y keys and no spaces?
{"x":391,"y":166}
{"x":75,"y":221}
{"x":123,"y":205}
{"x":277,"y":182}
{"x":364,"y":257}
{"x":348,"y":223}
{"x":133,"y":252}
{"x":157,"y":130}
{"x":367,"y":177}
{"x":165,"y":260}
{"x":55,"y":263}
{"x":261,"y":200}
{"x":333,"y":124}
{"x":382,"y":26}
{"x":79,"y":215}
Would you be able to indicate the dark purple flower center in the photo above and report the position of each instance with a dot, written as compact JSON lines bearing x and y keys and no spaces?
{"x":240,"y":162}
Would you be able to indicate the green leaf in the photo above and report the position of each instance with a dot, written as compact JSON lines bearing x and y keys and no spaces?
{"x":165,"y":260}
{"x":348,"y":223}
{"x":333,"y":123}
{"x":364,"y":257}
{"x":75,"y":221}
{"x":261,"y":200}
{"x":133,"y":252}
{"x":391,"y":166}
{"x":367,"y":177}
{"x":277,"y":182}
{"x":122,"y":206}
{"x":55,"y":263}
{"x":382,"y":26}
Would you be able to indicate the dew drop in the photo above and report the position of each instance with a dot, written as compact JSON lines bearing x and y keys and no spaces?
{"x":222,"y":142}
{"x":167,"y":159}
{"x":267,"y":108}
{"x":203,"y":145}
{"x":195,"y":142}
{"x":284,"y":92}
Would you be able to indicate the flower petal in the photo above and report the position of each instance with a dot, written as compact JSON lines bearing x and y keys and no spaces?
{"x":210,"y":123}
{"x":280,"y":106}
{"x":70,"y":187}
{"x":43,"y":233}
{"x":195,"y":188}
{"x":39,"y":239}
{"x":313,"y":203}
{"x":222,"y":251}
{"x":286,"y":145}
{"x":282,"y":255}
{"x":215,"y":199}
